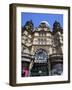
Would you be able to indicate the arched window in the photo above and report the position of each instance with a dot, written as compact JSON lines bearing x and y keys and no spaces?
{"x":42,"y":41}
{"x":41,"y":54}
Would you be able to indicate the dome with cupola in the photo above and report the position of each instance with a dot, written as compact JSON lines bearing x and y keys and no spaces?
{"x":44,"y":24}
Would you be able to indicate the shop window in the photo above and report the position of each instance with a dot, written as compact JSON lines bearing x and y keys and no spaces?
{"x":56,"y":68}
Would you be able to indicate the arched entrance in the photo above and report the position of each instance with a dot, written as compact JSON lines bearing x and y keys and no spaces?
{"x":40,"y":67}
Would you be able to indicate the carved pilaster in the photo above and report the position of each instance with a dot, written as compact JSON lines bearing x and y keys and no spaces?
{"x":30,"y":66}
{"x":49,"y":67}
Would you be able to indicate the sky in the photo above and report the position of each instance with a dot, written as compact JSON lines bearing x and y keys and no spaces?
{"x":38,"y":17}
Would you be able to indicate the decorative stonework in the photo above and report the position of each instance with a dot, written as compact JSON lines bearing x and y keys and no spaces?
{"x":42,"y":38}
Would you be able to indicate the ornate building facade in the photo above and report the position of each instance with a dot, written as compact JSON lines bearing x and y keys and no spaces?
{"x":41,"y":49}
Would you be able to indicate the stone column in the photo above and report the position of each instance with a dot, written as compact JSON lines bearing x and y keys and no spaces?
{"x":30,"y":66}
{"x":49,"y":67}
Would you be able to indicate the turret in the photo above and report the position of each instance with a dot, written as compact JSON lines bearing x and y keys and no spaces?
{"x":57,"y":27}
{"x":28,"y":26}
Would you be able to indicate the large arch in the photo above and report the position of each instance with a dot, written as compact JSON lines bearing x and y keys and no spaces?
{"x":40,"y":66}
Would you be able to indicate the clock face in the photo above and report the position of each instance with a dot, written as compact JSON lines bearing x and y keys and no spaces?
{"x":41,"y":55}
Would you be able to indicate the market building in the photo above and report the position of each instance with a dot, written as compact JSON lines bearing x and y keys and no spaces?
{"x":41,"y":49}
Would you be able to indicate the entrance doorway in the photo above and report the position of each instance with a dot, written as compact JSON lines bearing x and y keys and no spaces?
{"x":40,"y":68}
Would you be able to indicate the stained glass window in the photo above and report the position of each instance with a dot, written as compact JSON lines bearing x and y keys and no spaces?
{"x":41,"y":55}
